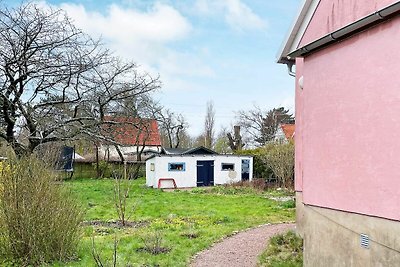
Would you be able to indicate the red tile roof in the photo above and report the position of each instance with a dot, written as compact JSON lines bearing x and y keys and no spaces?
{"x":133,"y":131}
{"x":288,"y":130}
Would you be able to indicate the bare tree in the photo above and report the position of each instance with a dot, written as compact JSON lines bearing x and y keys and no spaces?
{"x":261,"y":125}
{"x":209,"y":125}
{"x":222,"y":142}
{"x":235,"y":141}
{"x":251,"y":121}
{"x":185,"y":140}
{"x":199,"y":140}
{"x":56,"y":82}
{"x":172,"y":127}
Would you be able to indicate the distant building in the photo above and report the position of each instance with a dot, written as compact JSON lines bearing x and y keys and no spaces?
{"x":285,"y":133}
{"x":347,"y":126}
{"x":133,"y":135}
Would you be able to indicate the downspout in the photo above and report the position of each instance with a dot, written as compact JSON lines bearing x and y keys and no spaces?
{"x":289,"y":65}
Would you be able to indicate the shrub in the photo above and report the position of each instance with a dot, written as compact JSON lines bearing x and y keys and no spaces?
{"x":122,"y":186}
{"x":103,"y":170}
{"x":280,"y":158}
{"x":153,"y":243}
{"x":39,"y":221}
{"x":260,"y":169}
{"x":257,"y":184}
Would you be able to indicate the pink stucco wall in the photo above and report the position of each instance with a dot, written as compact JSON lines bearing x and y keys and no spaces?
{"x":332,"y":15}
{"x":298,"y":132}
{"x":348,"y":124}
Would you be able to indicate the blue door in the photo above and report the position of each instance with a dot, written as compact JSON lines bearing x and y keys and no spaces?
{"x":205,"y":173}
{"x":245,"y":169}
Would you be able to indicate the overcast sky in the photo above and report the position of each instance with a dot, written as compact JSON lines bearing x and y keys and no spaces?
{"x":219,"y":50}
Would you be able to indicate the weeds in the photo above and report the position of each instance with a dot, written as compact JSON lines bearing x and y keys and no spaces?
{"x":243,"y":187}
{"x":153,"y":243}
{"x":97,"y":258}
{"x":103,"y":168}
{"x":290,"y":204}
{"x":191,"y":232}
{"x":283,"y":250}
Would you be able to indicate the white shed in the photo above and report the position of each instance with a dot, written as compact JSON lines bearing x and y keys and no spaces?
{"x":196,"y":167}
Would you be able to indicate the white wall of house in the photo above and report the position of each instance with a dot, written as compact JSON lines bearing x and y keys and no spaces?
{"x":106,"y":151}
{"x":150,"y":172}
{"x":188,"y":176}
{"x":280,"y":135}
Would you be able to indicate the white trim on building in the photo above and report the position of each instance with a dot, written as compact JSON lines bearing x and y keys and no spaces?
{"x":298,"y":29}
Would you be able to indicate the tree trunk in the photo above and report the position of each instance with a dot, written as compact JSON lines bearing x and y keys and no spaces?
{"x":97,"y":162}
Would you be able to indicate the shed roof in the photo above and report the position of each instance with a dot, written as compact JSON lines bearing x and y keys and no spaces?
{"x":201,"y":150}
{"x":198,"y":156}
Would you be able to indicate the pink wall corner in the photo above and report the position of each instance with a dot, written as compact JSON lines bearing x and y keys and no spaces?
{"x":350,"y":124}
{"x":332,"y":15}
{"x":298,"y":133}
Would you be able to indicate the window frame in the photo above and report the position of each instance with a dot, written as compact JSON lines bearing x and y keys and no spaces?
{"x":176,"y":163}
{"x":225,"y":169}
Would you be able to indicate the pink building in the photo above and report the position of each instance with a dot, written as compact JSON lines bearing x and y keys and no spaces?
{"x":346,"y":55}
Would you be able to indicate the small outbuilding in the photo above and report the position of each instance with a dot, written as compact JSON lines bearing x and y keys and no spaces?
{"x":180,"y":168}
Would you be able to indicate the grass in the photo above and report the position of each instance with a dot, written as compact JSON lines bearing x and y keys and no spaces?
{"x":187,"y":221}
{"x":283,"y":250}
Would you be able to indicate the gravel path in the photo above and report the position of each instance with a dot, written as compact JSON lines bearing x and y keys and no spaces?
{"x":240,"y":250}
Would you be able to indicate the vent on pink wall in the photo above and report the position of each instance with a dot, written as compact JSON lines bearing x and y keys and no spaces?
{"x":364,"y":241}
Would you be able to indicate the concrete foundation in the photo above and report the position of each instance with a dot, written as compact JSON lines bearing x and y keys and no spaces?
{"x":332,"y":238}
{"x":300,"y":214}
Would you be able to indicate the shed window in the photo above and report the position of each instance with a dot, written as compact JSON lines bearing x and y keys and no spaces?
{"x":227,"y":166}
{"x":176,"y":166}
{"x":152,"y":167}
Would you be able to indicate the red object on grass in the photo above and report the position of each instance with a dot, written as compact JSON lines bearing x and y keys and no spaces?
{"x":166,"y":179}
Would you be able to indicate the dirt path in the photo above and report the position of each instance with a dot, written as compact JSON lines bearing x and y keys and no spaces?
{"x":240,"y":250}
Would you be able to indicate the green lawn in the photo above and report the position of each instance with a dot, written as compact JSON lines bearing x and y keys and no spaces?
{"x":187,"y":221}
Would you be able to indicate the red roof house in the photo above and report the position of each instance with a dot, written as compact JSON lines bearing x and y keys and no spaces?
{"x":133,"y":131}
{"x":285,"y":132}
{"x":131,"y":136}
{"x":288,"y":130}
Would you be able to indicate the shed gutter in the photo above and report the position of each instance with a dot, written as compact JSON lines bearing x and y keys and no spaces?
{"x":347,"y":31}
